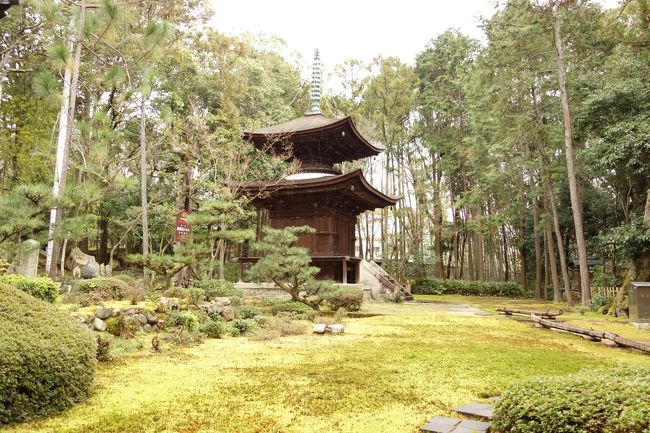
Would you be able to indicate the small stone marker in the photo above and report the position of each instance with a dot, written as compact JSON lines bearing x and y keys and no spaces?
{"x":476,"y":410}
{"x":26,"y":260}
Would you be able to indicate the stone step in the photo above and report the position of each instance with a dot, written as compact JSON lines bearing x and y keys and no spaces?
{"x":443,"y":424}
{"x":476,"y":410}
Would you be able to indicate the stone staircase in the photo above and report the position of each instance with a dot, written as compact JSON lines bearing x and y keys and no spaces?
{"x":481,"y":412}
{"x":380,"y":283}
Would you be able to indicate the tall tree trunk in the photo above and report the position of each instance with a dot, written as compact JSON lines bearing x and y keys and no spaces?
{"x":560,"y":243}
{"x":523,"y":271}
{"x":66,"y":120}
{"x":576,"y":200}
{"x":538,"y":251}
{"x":506,"y":262}
{"x":557,"y":295}
{"x":646,"y":214}
{"x":143,"y":181}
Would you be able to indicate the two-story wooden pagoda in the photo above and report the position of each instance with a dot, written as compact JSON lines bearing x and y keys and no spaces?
{"x":318,"y":195}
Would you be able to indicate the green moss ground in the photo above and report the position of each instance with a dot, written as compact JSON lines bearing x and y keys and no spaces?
{"x":388,"y":374}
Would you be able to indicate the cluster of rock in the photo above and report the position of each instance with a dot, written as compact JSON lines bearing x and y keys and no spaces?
{"x":322,"y":328}
{"x":135,"y":317}
{"x":219,"y":306}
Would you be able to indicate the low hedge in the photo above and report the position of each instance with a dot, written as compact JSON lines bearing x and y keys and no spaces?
{"x":347,"y":298}
{"x":432,"y":286}
{"x":47,"y":361}
{"x":104,"y":287}
{"x":40,"y":287}
{"x":590,"y":401}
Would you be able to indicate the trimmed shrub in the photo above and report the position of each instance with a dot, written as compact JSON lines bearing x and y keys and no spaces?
{"x":590,"y":401}
{"x":40,"y":287}
{"x":195,"y":295}
{"x":184,"y":320}
{"x":103,"y":287}
{"x":214,"y":329}
{"x":218,"y":288}
{"x":242,"y":326}
{"x":349,"y":298}
{"x":288,"y":307}
{"x":246,"y":312}
{"x":432,"y":286}
{"x":47,"y":361}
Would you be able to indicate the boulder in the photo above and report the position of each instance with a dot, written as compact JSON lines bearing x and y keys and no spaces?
{"x":103,"y":312}
{"x":147,"y":328}
{"x":320,"y":328}
{"x":98,"y":324}
{"x":78,"y":258}
{"x":152,"y":319}
{"x":223,"y":300}
{"x":90,"y":270}
{"x":227,"y":314}
{"x":335,"y":329}
{"x":132,"y":310}
{"x":140,"y":318}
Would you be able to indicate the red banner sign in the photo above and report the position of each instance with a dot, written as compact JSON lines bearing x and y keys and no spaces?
{"x":183,"y":228}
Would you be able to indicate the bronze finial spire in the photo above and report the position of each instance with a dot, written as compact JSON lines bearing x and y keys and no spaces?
{"x":315,"y":85}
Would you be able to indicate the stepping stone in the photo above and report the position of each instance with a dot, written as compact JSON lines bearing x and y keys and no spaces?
{"x":472,"y":427}
{"x":443,"y":424}
{"x":440,"y":424}
{"x":476,"y":410}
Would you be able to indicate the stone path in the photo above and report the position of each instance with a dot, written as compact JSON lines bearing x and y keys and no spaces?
{"x":444,"y":424}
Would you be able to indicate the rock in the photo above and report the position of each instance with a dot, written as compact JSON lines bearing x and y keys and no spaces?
{"x":336,"y":328}
{"x":223,"y":300}
{"x":147,"y":328}
{"x":80,"y":318}
{"x":103,"y":312}
{"x":168,"y":304}
{"x":140,"y":318}
{"x":160,"y":325}
{"x":98,"y":324}
{"x":227,"y":314}
{"x":320,"y":328}
{"x":76,"y":272}
{"x":609,"y":343}
{"x":102,"y":270}
{"x":152,"y":319}
{"x":91,"y":270}
{"x":109,"y":271}
{"x":26,"y":260}
{"x":78,"y":258}
{"x":132,"y":311}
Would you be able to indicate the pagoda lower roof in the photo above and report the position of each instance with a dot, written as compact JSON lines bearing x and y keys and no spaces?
{"x":352,"y":187}
{"x":336,"y":140}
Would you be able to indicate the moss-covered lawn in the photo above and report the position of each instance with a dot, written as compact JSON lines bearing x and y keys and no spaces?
{"x":388,"y":374}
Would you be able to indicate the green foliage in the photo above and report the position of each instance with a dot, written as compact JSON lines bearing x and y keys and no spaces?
{"x":40,"y":287}
{"x":288,"y":266}
{"x":626,"y":242}
{"x":47,"y":361}
{"x":195,"y":295}
{"x":214,"y":329}
{"x":215,"y":288}
{"x":104,"y":288}
{"x":166,"y":266}
{"x":185,"y":320}
{"x":287,"y":307}
{"x":242,"y":327}
{"x":432,"y":286}
{"x":602,"y":278}
{"x":348,"y":298}
{"x":246,"y":312}
{"x":595,"y":401}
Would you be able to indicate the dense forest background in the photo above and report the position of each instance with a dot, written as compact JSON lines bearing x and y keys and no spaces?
{"x":149,"y":104}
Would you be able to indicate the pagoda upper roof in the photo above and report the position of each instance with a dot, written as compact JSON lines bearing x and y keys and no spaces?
{"x":314,"y":137}
{"x":352,"y":188}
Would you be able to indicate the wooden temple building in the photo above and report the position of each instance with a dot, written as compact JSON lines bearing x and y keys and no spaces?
{"x":318,"y":194}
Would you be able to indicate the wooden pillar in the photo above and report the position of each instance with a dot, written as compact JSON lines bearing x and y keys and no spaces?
{"x":345,"y":271}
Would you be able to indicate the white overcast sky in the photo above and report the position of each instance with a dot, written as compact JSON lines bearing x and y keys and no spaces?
{"x":343,"y":29}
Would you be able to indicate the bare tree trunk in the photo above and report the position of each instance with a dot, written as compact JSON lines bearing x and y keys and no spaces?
{"x":557,"y":296}
{"x":646,"y":214}
{"x":506,"y":262}
{"x":143,"y":181}
{"x":523,"y":271}
{"x":71,"y":80}
{"x":576,"y":201}
{"x":560,"y":243}
{"x":538,"y":251}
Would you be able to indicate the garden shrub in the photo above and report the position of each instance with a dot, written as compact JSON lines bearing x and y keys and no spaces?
{"x":349,"y":298}
{"x":590,"y":401}
{"x":103,"y":288}
{"x":40,"y":287}
{"x":47,"y":361}
{"x":432,"y":286}
{"x":176,"y":292}
{"x":242,"y":327}
{"x":246,"y":312}
{"x":288,"y":307}
{"x":128,"y":279}
{"x":215,"y":288}
{"x":185,"y":320}
{"x":214,"y":329}
{"x":195,"y":295}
